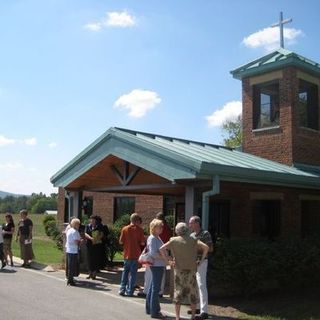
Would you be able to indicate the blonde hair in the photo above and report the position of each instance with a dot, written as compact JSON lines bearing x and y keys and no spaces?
{"x":155,"y":223}
{"x":74,"y":222}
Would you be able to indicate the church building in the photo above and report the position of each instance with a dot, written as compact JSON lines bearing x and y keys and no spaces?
{"x":269,"y":189}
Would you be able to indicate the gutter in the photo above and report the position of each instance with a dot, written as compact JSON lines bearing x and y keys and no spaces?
{"x":205,"y":200}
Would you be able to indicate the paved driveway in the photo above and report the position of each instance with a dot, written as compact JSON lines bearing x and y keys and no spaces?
{"x":28,"y":294}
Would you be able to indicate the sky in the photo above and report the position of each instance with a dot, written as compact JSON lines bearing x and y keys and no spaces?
{"x":70,"y":70}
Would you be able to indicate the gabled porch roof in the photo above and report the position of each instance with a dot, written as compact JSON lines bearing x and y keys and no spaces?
{"x":175,"y":160}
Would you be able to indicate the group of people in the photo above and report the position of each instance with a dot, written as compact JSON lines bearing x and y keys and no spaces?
{"x":95,"y":234}
{"x":23,"y":235}
{"x":186,"y":253}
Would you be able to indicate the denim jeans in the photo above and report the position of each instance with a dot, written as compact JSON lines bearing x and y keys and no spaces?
{"x":129,"y":275}
{"x":152,"y":299}
{"x":72,"y":261}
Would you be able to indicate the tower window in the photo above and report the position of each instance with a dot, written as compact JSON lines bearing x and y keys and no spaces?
{"x":308,"y":105}
{"x":266,"y":105}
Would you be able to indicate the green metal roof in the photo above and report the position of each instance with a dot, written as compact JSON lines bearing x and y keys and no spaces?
{"x":276,"y":60}
{"x":175,"y":159}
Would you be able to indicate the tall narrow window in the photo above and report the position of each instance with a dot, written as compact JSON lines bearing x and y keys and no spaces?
{"x":308,"y":105}
{"x":122,"y":206}
{"x":310,"y":218}
{"x":266,"y":218}
{"x":266,"y":110}
{"x":219,"y":218}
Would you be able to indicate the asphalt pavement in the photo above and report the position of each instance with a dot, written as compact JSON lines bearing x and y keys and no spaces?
{"x":30,"y":294}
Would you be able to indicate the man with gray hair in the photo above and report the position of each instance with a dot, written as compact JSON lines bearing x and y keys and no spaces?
{"x":204,"y":236}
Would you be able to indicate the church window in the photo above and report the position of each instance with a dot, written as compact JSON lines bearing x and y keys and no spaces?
{"x":308,"y":105}
{"x":266,"y":105}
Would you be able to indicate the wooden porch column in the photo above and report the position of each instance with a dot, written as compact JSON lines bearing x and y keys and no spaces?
{"x":189,"y":202}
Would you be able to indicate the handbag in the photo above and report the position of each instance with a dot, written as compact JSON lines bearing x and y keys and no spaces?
{"x":145,"y":258}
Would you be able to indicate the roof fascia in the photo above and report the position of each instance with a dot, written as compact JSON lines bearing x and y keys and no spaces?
{"x":229,"y":173}
{"x":159,"y":162}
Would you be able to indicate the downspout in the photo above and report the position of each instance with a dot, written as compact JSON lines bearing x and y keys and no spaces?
{"x":205,"y":200}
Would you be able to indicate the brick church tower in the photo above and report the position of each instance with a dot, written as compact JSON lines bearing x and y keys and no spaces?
{"x":280,"y":108}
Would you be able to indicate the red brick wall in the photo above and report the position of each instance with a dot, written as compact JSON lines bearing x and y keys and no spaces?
{"x":103,"y":204}
{"x":289,"y":143}
{"x":275,"y":144}
{"x":241,"y":216}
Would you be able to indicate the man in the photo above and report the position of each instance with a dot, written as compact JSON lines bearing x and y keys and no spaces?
{"x":205,"y":237}
{"x":132,"y":238}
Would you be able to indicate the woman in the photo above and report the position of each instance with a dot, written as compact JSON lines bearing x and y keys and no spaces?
{"x":154,"y":243}
{"x":73,"y":240}
{"x":24,"y":234}
{"x":184,"y":250}
{"x":95,"y":248}
{"x":8,"y":231}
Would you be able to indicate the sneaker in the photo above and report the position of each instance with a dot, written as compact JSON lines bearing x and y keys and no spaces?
{"x":121,"y":293}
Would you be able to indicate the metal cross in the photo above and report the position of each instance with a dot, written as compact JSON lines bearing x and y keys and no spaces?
{"x":280,"y":24}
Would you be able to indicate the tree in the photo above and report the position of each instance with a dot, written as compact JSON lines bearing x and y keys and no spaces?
{"x":232,"y":131}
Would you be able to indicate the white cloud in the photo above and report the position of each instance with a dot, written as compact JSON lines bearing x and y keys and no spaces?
{"x":229,"y":112}
{"x":138,"y":102}
{"x":52,"y":145}
{"x":120,"y":19}
{"x":6,"y":141}
{"x":94,"y":26}
{"x":30,"y":141}
{"x":113,"y":19}
{"x":10,"y":166}
{"x":269,"y":38}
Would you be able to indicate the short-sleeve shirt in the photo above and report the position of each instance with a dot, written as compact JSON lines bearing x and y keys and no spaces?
{"x":8,"y":227}
{"x":24,"y":227}
{"x":132,"y":237}
{"x":72,"y":238}
{"x":184,"y":250}
{"x":205,"y":237}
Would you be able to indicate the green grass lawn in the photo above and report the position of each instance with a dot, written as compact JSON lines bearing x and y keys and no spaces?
{"x":44,"y":248}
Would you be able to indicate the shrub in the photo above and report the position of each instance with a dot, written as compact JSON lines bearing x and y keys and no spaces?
{"x":52,"y":230}
{"x":251,"y":266}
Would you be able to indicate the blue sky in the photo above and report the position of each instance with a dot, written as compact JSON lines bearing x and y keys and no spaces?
{"x":69,"y":70}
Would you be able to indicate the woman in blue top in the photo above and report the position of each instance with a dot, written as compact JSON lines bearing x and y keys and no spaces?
{"x":157,"y":268}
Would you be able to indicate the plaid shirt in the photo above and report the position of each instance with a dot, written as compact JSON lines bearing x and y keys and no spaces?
{"x":205,"y":237}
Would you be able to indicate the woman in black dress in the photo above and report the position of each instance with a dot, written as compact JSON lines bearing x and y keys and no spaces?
{"x":94,"y":236}
{"x":8,"y":231}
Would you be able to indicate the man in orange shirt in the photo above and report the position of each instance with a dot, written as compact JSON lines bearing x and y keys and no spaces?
{"x":132,"y":238}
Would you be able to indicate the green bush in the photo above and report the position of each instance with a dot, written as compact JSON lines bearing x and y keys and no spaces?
{"x":251,"y":266}
{"x":52,"y":230}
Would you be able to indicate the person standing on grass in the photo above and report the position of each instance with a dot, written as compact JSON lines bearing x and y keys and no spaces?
{"x":8,"y":231}
{"x":73,"y":240}
{"x":24,"y":235}
{"x":132,"y":238}
{"x":3,"y":263}
{"x":204,"y":236}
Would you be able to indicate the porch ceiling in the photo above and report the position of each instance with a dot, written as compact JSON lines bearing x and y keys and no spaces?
{"x":102,"y":177}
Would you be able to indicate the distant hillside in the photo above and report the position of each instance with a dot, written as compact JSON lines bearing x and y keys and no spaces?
{"x":4,"y":194}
